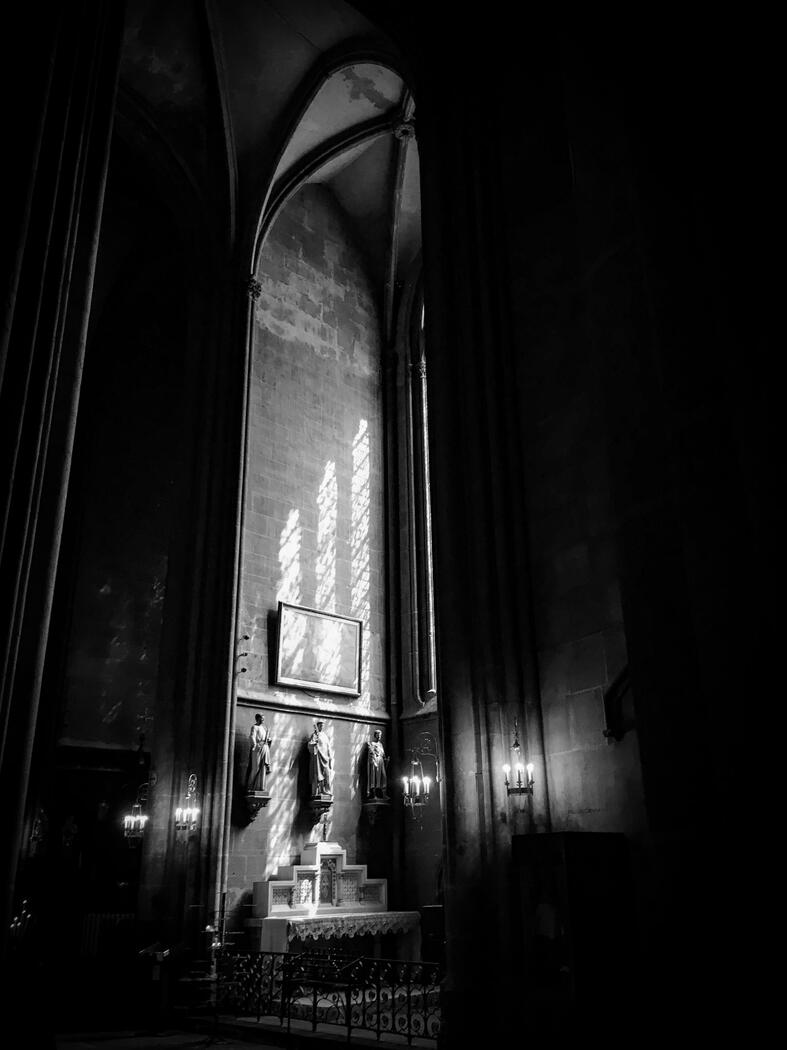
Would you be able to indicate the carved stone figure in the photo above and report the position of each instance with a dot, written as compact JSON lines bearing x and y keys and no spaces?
{"x":320,"y":760}
{"x":259,"y":755}
{"x":377,"y":777}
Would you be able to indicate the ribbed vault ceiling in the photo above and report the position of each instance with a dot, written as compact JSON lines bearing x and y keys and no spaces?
{"x":252,"y":98}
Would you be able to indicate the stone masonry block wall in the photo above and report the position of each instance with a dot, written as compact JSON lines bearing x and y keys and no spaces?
{"x":314,"y":528}
{"x":314,"y":512}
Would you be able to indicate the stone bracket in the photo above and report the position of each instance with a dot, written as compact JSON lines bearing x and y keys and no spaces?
{"x":255,"y":801}
{"x":320,"y":804}
{"x":374,"y":807}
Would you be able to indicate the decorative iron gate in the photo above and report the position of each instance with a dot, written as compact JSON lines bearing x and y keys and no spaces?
{"x":334,"y":988}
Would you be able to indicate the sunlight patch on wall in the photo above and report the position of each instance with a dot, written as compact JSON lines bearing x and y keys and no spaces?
{"x":281,"y":814}
{"x":329,"y":652}
{"x":327,"y":503}
{"x":290,"y":560}
{"x":290,"y":588}
{"x":359,"y":543}
{"x":285,"y":750}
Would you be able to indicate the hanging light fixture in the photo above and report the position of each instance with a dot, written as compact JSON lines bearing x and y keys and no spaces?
{"x":187,"y":815}
{"x":134,"y":822}
{"x":417,"y":786}
{"x":523,"y":780}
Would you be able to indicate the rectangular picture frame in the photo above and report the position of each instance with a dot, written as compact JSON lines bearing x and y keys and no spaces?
{"x":318,"y":650}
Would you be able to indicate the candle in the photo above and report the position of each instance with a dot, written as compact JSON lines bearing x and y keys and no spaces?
{"x":427,"y":782}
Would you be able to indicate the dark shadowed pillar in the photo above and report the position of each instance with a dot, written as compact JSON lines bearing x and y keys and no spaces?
{"x":486,"y":670}
{"x":60,"y":104}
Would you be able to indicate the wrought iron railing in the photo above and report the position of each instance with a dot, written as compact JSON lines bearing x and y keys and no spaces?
{"x":331,"y":988}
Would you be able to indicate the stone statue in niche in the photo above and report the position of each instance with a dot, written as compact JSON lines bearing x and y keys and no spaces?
{"x":320,"y":761}
{"x":376,"y":761}
{"x":259,"y":756}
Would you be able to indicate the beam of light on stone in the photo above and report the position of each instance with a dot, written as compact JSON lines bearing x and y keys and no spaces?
{"x":289,"y":590}
{"x":327,"y":503}
{"x":328,"y":636}
{"x":328,"y":642}
{"x":284,"y":802}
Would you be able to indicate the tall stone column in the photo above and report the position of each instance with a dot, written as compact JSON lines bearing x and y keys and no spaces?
{"x":486,"y":665}
{"x":183,"y":873}
{"x":60,"y":92}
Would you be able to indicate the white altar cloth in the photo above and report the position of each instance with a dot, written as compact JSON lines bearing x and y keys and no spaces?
{"x":279,"y":930}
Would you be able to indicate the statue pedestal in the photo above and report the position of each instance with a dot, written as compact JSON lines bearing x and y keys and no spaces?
{"x":372,"y":808}
{"x":255,"y":801}
{"x":320,"y":804}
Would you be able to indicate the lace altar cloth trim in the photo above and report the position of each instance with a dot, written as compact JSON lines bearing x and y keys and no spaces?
{"x":353,"y":925}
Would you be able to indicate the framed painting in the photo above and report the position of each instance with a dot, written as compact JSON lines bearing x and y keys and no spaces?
{"x":318,"y":650}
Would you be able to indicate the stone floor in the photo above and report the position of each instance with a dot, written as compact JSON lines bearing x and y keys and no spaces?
{"x":166,"y":1040}
{"x":252,"y":1035}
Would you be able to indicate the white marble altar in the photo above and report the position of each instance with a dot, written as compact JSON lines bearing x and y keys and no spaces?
{"x":324,"y":897}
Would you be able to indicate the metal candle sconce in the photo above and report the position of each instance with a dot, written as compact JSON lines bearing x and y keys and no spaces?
{"x":417,"y":786}
{"x":187,"y":816}
{"x":135,"y":821}
{"x":524,"y":780}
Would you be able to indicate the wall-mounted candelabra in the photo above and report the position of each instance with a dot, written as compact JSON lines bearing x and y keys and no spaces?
{"x":187,"y":814}
{"x":523,"y":780}
{"x":417,"y":786}
{"x":135,"y":820}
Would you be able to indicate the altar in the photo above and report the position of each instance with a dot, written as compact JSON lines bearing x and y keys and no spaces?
{"x":325,"y":898}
